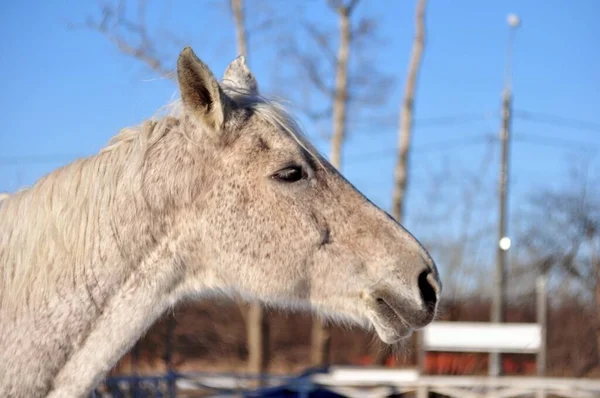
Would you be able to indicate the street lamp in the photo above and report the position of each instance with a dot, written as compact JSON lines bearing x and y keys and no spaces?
{"x":499,"y":297}
{"x":504,"y":243}
{"x":514,"y":22}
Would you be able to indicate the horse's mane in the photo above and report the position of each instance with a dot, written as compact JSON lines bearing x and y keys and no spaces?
{"x":48,"y":229}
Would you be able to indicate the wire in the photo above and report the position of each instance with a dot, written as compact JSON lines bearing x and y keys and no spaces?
{"x":433,"y":146}
{"x":449,"y":120}
{"x":450,"y":144}
{"x":559,"y":121}
{"x":457,"y":143}
{"x":555,"y":142}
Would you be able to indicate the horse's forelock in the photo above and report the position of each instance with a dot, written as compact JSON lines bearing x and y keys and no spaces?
{"x":274,"y":112}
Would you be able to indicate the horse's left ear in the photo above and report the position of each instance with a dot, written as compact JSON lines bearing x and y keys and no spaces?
{"x":238,"y":76}
{"x":200,"y":91}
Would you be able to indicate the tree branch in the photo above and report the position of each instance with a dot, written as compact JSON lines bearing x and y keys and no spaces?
{"x":313,"y":75}
{"x":322,"y":42}
{"x":113,"y":21}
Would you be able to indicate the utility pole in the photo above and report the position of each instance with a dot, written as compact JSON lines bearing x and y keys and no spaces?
{"x":499,"y":298}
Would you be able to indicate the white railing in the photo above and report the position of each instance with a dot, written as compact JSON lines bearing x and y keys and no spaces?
{"x":483,"y":337}
{"x":355,"y":382}
{"x":380,"y":383}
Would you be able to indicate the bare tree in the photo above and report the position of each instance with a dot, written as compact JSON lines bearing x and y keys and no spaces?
{"x":323,"y":59}
{"x":405,"y":130}
{"x":459,"y":197}
{"x":257,"y":322}
{"x":125,"y":24}
{"x":321,"y":66}
{"x":237,"y":9}
{"x":406,"y":114}
{"x":320,"y":335}
{"x":341,"y":82}
{"x":130,"y":34}
{"x":564,"y":238}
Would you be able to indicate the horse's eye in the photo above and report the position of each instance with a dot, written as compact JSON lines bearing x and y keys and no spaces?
{"x":290,"y":174}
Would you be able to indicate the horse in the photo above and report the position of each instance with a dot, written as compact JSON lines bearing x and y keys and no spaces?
{"x":221,"y":195}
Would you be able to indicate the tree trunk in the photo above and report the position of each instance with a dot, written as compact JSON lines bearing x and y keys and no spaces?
{"x":405,"y":130}
{"x":406,"y":114}
{"x":341,"y":90}
{"x":321,"y":336}
{"x":596,"y":274}
{"x":321,"y":344}
{"x":240,"y":28}
{"x":597,"y":323}
{"x":257,"y":322}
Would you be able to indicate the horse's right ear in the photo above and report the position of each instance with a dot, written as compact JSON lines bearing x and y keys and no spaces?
{"x":200,"y":91}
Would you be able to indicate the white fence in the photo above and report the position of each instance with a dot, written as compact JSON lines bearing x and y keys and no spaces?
{"x":483,"y":337}
{"x":381,"y":383}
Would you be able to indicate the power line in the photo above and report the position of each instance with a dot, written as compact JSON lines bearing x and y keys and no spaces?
{"x":450,"y":144}
{"x":534,"y":117}
{"x":429,"y":147}
{"x":558,"y":121}
{"x":556,"y":142}
{"x":450,"y":120}
{"x":456,"y":143}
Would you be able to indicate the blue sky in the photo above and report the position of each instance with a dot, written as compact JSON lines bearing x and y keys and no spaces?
{"x":66,"y":91}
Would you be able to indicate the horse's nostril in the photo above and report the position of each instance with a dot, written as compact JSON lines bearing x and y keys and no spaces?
{"x":428,"y":292}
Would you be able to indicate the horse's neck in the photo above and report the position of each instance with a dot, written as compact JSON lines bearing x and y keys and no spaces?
{"x":101,"y":231}
{"x":86,"y":275}
{"x":145,"y":295}
{"x":152,"y":283}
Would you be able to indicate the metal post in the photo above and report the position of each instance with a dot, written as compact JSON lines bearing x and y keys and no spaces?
{"x":171,"y":386}
{"x":499,"y":297}
{"x":542,"y":320}
{"x":422,"y":390}
{"x":421,"y":352}
{"x":135,"y":382}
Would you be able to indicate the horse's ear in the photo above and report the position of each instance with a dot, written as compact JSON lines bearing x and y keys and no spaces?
{"x":200,"y":91}
{"x":238,"y":76}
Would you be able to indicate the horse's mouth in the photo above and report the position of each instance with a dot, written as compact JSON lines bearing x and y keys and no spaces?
{"x":389,"y":325}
